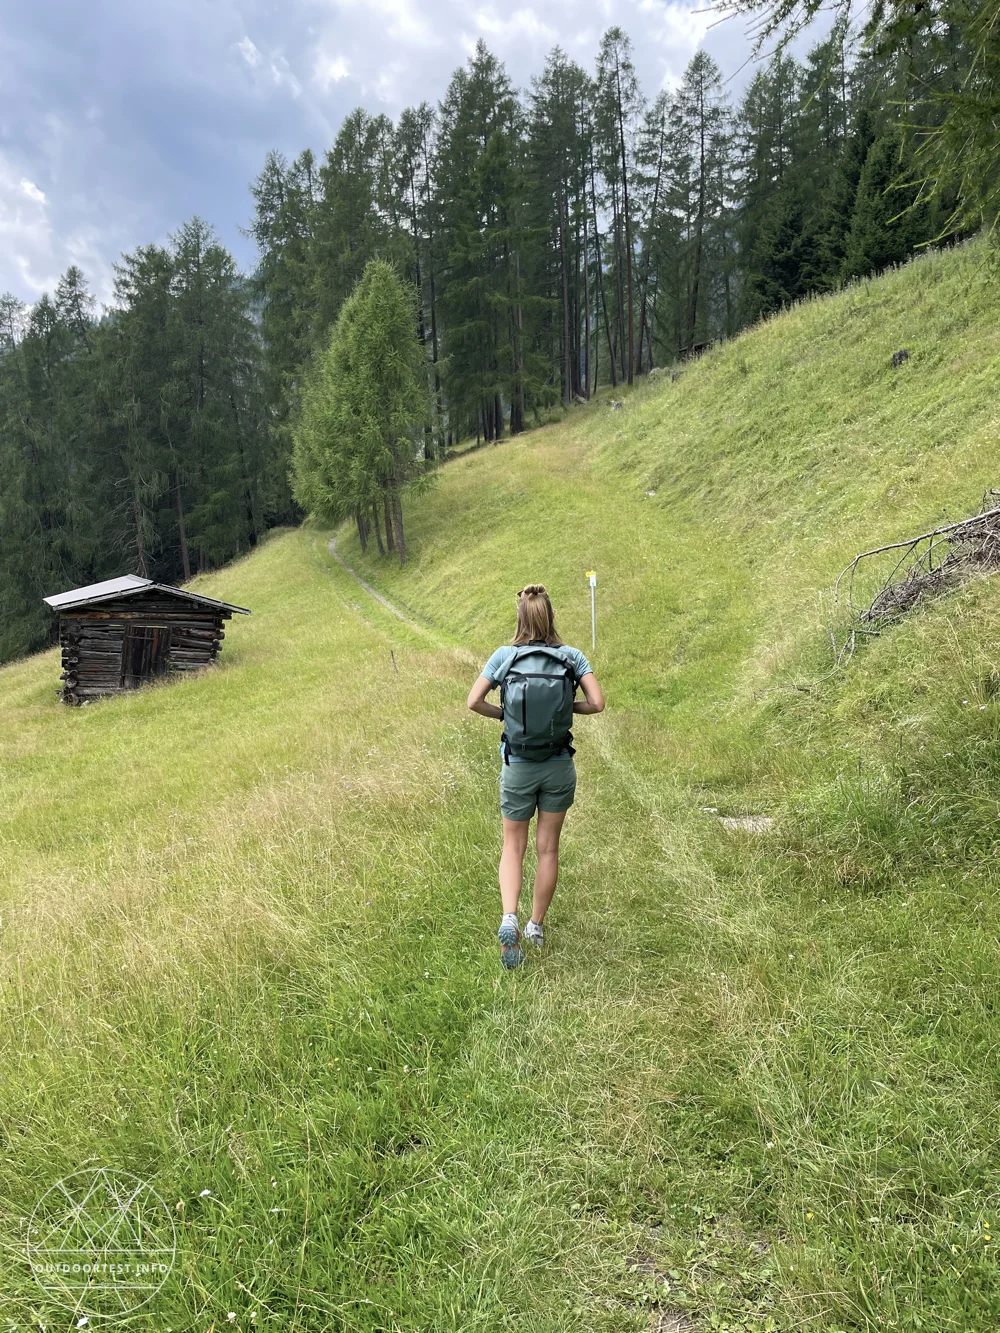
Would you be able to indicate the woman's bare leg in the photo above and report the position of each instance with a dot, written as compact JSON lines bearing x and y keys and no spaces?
{"x":547,"y":846}
{"x":515,"y":844}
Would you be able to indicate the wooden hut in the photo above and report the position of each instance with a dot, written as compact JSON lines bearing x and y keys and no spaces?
{"x":120,"y":633}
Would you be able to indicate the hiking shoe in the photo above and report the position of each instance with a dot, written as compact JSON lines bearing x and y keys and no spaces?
{"x":511,"y":953}
{"x":534,"y":932}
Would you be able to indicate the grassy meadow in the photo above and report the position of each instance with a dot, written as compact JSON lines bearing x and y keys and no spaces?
{"x":247,"y":919}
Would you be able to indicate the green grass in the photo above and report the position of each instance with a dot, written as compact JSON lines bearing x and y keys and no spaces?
{"x":247,"y":918}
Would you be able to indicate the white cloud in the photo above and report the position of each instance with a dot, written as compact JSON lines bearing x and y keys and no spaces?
{"x":25,"y":230}
{"x":404,"y":21}
{"x":329,"y":68}
{"x":391,"y":78}
{"x":32,"y":191}
{"x":249,"y":52}
{"x":277,"y":74}
{"x":522,"y":24}
{"x":282,"y":76}
{"x":34,"y":251}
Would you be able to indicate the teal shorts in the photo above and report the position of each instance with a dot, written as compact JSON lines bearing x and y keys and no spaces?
{"x":549,"y":785}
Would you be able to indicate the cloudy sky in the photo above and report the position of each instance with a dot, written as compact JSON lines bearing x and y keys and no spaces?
{"x":121,"y":118}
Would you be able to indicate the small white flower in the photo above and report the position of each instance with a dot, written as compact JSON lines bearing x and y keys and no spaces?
{"x":406,"y":1069}
{"x":204,"y":1194}
{"x":82,"y":1323}
{"x":231,"y":1316}
{"x":769,"y":1143}
{"x":426,"y":974}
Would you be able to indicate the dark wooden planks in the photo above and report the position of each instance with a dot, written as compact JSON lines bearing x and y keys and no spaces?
{"x":93,"y":640}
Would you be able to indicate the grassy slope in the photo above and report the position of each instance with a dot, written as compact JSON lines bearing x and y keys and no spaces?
{"x":246,"y":918}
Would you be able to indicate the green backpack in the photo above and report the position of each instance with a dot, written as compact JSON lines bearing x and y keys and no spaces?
{"x":537,"y":686}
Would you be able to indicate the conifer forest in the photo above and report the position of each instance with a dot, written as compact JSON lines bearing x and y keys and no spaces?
{"x":551,"y":240}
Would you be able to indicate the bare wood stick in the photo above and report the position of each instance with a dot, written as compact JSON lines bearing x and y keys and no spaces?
{"x":915,"y":541}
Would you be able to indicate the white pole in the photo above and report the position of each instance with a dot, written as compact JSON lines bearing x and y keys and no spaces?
{"x":592,"y":577}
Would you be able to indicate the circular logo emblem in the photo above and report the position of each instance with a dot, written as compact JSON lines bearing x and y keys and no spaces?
{"x":101,"y":1242}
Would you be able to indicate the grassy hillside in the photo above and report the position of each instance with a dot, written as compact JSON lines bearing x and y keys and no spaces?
{"x":247,"y":919}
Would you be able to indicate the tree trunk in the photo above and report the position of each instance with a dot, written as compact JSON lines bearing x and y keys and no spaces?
{"x":699,"y":229}
{"x":400,"y":539}
{"x":359,"y":518}
{"x":645,"y":258}
{"x":620,"y":341}
{"x":567,"y":386}
{"x":517,"y":402}
{"x":586,"y":303}
{"x":389,"y":539}
{"x":628,"y":226}
{"x":600,"y":274}
{"x":377,"y":529}
{"x":434,"y":326}
{"x":181,"y":533}
{"x":140,"y":545}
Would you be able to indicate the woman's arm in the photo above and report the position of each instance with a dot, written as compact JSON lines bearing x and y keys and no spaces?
{"x":477,"y":699}
{"x":593,"y":701}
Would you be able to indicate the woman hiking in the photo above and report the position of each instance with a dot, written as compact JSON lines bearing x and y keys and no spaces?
{"x":538,"y":677}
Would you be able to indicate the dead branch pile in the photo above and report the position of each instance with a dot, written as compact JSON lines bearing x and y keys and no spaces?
{"x":927,"y":565}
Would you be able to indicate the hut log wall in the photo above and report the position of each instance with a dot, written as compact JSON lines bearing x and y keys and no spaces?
{"x":93,"y":641}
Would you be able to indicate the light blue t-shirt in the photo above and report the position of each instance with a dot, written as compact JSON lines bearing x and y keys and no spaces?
{"x":503,"y":655}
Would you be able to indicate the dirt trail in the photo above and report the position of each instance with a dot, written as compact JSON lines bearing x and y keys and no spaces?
{"x":332,"y":545}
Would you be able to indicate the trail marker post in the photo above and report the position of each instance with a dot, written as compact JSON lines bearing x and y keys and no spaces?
{"x":592,"y":576}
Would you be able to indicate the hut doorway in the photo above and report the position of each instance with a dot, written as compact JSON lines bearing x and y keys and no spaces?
{"x":145,"y":651}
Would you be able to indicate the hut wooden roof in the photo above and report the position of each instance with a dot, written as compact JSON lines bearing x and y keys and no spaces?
{"x":130,"y":585}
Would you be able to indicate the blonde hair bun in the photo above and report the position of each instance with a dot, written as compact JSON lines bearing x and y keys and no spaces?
{"x":535,"y":621}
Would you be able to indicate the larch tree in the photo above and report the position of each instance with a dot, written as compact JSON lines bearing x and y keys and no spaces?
{"x":363,"y":408}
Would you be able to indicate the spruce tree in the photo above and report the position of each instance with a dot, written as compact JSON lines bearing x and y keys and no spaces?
{"x":480,"y":171}
{"x":887,"y":223}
